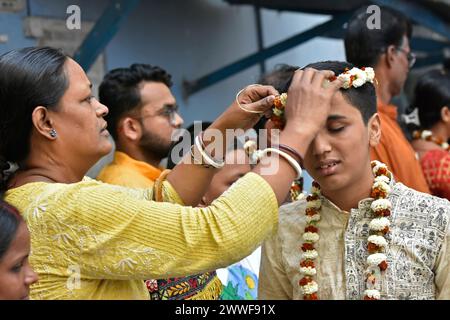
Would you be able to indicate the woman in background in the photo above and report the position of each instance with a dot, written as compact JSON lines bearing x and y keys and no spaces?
{"x":16,"y":274}
{"x":432,"y":98}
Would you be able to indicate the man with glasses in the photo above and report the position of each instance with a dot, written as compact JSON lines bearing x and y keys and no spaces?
{"x":387,"y":50}
{"x":143,"y":115}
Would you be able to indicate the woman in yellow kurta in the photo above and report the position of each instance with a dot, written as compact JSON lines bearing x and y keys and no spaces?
{"x":92,"y":240}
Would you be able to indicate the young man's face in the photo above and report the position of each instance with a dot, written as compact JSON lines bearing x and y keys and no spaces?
{"x":339,"y":156}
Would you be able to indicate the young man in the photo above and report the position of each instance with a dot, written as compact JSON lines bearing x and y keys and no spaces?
{"x":387,"y":50}
{"x":343,"y":244}
{"x":142,"y":117}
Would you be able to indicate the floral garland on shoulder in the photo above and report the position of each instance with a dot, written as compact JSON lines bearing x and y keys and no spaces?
{"x":351,"y":78}
{"x":427,"y":135}
{"x":377,"y":243}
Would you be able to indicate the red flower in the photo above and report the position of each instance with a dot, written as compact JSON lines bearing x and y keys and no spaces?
{"x":383,"y":213}
{"x":383,"y":265}
{"x":311,"y":229}
{"x":378,"y":193}
{"x":372,"y":247}
{"x":311,"y":211}
{"x":312,"y":197}
{"x":382,"y":171}
{"x":307,"y":263}
{"x":277,"y":102}
{"x":304,"y":281}
{"x":310,"y":296}
{"x":307,"y":246}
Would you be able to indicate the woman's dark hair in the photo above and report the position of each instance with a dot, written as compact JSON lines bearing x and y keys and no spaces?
{"x":10,"y":220}
{"x":364,"y":45}
{"x":432,"y":93}
{"x":120,"y":91}
{"x":29,"y":77}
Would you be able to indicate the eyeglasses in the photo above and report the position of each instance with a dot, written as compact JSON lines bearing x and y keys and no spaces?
{"x":410,"y":56}
{"x":169,"y":111}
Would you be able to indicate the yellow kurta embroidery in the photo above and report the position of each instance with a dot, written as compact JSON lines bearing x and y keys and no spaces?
{"x":98,"y":241}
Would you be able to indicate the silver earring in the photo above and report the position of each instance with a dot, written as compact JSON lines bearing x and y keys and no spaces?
{"x":53,"y":133}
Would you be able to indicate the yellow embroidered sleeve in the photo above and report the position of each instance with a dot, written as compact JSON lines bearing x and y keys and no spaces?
{"x":112,"y":232}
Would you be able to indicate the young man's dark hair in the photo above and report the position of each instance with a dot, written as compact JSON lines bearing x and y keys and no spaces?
{"x":363,"y":98}
{"x":364,"y":46}
{"x":119,"y":90}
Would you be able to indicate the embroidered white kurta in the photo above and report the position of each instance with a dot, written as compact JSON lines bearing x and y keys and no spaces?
{"x":418,"y":252}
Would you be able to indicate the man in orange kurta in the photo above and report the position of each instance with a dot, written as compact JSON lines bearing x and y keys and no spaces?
{"x":386,"y":48}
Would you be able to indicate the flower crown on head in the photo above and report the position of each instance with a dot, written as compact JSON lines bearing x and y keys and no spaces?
{"x":354,"y":77}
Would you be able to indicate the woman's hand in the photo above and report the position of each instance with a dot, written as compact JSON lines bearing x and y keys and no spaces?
{"x":254,"y":101}
{"x":309,"y":100}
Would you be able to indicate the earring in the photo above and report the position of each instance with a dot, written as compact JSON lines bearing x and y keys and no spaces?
{"x":53,"y":133}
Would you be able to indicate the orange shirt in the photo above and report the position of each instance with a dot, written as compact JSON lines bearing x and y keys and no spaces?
{"x":125,"y":171}
{"x":396,"y":152}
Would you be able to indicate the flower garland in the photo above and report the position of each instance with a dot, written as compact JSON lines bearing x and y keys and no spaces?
{"x":427,"y":135}
{"x":296,"y":191}
{"x":377,"y":243}
{"x":351,"y":78}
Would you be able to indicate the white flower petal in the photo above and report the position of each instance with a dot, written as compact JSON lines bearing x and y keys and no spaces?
{"x":374,"y":294}
{"x":379,"y":224}
{"x":311,"y":237}
{"x":376,"y":258}
{"x":378,"y":240}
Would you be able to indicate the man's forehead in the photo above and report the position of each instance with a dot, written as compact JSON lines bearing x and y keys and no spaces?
{"x":152,"y":92}
{"x":341,"y":108}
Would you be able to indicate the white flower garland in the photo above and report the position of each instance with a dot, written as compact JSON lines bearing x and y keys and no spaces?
{"x":357,"y":77}
{"x":351,"y":78}
{"x":377,"y":243}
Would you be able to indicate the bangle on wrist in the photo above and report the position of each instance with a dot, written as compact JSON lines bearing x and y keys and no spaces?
{"x":292,"y":151}
{"x":205,"y":157}
{"x":294,"y":164}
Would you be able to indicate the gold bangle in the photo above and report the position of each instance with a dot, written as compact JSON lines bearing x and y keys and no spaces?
{"x":158,"y":186}
{"x":239,"y":104}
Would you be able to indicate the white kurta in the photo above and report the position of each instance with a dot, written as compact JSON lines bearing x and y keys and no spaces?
{"x":418,"y":252}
